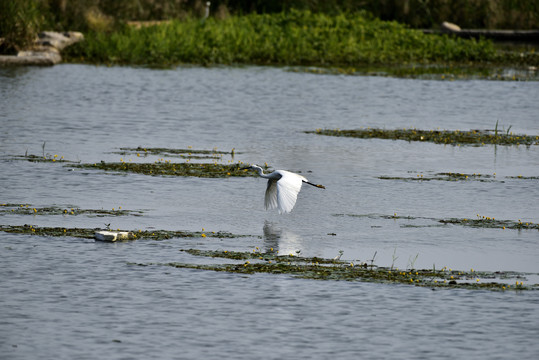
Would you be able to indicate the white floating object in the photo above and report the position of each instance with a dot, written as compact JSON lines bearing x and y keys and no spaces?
{"x":450,"y":27}
{"x":111,"y":235}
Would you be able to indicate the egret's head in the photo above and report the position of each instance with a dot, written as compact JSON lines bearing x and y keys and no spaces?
{"x":257,"y":168}
{"x":252,"y":167}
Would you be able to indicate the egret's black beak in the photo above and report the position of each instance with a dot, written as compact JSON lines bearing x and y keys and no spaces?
{"x":245,"y":168}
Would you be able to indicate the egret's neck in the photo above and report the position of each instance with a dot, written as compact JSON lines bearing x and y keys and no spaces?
{"x":260,"y":171}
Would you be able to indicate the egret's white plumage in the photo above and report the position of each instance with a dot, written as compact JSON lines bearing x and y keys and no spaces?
{"x":282,"y":189}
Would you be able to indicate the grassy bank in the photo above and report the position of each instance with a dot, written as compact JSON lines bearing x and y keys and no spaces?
{"x":293,"y":38}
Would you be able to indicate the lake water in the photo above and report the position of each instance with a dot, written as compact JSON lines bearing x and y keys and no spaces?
{"x":66,"y":298}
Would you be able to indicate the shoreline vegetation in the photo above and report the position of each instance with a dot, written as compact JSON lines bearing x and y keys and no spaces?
{"x":294,"y":38}
{"x":330,"y":34}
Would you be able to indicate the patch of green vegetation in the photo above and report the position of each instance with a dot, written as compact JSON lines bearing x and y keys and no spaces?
{"x":478,"y":222}
{"x":520,"y":177}
{"x":44,"y":158}
{"x":289,"y":38}
{"x":27,"y":209}
{"x":19,"y":23}
{"x":444,"y":176}
{"x":83,"y":233}
{"x":488,"y":222}
{"x":87,"y":233}
{"x":450,"y":176}
{"x":325,"y":269}
{"x":257,"y":255}
{"x":168,"y":168}
{"x":182,"y":153}
{"x":457,"y":137}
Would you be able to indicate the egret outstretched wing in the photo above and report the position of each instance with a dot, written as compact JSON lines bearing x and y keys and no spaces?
{"x":282,"y":189}
{"x":270,"y":201}
{"x":287,"y":189}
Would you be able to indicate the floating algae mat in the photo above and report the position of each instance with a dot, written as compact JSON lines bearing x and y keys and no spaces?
{"x":43,"y":158}
{"x":182,"y":153}
{"x":88,"y":233}
{"x":455,"y":176}
{"x":477,"y":222}
{"x":167,"y":168}
{"x":456,"y":137}
{"x":27,"y":209}
{"x":327,"y":269}
{"x":447,"y":176}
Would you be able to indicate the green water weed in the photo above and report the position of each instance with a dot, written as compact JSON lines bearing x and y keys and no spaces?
{"x":447,"y":137}
{"x":27,"y":209}
{"x":330,"y":270}
{"x":167,"y":168}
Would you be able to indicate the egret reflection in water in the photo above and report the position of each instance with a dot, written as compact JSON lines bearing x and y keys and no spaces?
{"x":281,"y":240}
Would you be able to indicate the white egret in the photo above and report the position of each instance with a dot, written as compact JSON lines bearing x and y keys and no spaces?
{"x":207,"y":10}
{"x":283,"y":188}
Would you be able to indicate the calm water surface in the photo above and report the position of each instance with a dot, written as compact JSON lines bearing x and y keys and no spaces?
{"x":68,"y":298}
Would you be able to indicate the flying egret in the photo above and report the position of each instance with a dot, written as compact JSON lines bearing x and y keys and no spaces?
{"x":283,"y":188}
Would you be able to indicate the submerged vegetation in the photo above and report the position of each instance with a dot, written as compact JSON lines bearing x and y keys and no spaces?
{"x":456,"y":137}
{"x":326,"y":269}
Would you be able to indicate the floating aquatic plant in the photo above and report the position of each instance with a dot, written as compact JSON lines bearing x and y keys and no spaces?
{"x":455,"y":176}
{"x":44,"y":158}
{"x":88,"y":233}
{"x":168,"y":168}
{"x":188,"y":153}
{"x":327,"y":269}
{"x":456,"y":137}
{"x":27,"y":209}
{"x":258,"y":255}
{"x":490,"y":222}
{"x":477,"y":222}
{"x":444,"y":176}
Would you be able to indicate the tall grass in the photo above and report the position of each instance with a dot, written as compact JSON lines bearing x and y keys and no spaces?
{"x":19,"y":23}
{"x":291,"y":38}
